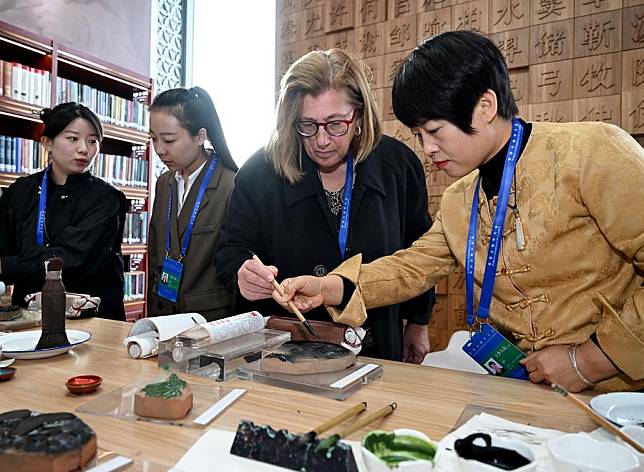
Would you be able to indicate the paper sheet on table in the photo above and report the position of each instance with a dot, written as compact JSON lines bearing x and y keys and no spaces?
{"x":447,"y":461}
{"x":212,"y":452}
{"x":167,"y":326}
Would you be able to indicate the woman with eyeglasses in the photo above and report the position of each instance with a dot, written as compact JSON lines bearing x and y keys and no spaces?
{"x":189,"y":205}
{"x":327,"y":186}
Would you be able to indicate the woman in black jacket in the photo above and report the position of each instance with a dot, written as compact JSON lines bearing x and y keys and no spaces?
{"x":327,"y":186}
{"x":65,"y":211}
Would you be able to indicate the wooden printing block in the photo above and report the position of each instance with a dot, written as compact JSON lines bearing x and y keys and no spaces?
{"x":284,"y":449}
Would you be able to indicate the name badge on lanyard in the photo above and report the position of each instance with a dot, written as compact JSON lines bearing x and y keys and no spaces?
{"x":487,"y":346}
{"x":172,"y":270}
{"x":42,"y":208}
{"x":343,"y":234}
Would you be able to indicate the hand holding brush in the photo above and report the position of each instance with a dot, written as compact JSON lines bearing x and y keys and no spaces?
{"x":291,"y":305}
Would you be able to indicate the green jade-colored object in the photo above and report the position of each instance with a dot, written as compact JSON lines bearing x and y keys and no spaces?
{"x":169,"y":389}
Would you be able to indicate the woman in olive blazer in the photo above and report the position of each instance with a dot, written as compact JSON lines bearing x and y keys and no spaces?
{"x":182,"y":123}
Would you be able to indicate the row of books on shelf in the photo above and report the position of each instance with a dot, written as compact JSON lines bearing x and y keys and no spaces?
{"x":121,"y":170}
{"x":134,"y":286}
{"x":110,"y":108}
{"x":26,"y":156}
{"x":25,"y":83}
{"x":136,"y":228}
{"x":20,"y":155}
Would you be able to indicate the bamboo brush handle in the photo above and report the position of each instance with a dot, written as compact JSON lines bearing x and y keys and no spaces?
{"x":354,"y":410}
{"x":280,"y":290}
{"x":604,"y":422}
{"x":368,"y":420}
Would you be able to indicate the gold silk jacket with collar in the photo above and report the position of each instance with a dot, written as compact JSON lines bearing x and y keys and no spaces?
{"x":580,"y":194}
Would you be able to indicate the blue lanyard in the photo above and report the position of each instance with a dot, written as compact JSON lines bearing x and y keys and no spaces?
{"x":346,"y":206}
{"x":42,"y":208}
{"x":195,"y":210}
{"x":489,"y":276}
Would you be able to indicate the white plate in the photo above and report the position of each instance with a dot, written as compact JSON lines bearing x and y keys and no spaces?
{"x":23,"y":345}
{"x":622,"y":408}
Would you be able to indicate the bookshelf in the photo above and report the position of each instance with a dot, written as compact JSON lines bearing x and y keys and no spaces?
{"x":37,"y":72}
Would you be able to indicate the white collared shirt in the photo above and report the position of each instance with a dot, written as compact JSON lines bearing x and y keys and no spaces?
{"x":181,"y":192}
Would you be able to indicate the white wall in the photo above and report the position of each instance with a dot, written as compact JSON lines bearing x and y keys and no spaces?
{"x":234,"y":60}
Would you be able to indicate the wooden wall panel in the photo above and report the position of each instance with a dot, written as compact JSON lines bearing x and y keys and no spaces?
{"x":569,"y":60}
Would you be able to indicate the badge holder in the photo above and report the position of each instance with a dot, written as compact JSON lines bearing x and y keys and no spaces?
{"x":492,"y":351}
{"x":170,"y":279}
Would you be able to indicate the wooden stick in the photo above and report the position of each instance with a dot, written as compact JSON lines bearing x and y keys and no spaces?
{"x":354,"y":410}
{"x":291,"y":305}
{"x":597,"y":417}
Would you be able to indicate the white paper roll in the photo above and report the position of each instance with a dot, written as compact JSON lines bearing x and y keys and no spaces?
{"x":233,"y":326}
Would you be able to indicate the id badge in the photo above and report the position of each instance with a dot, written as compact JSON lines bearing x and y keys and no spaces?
{"x":170,"y":279}
{"x":492,"y":351}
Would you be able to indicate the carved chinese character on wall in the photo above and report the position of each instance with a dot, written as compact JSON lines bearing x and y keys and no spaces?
{"x":433,"y":22}
{"x":551,"y":81}
{"x":598,"y":34}
{"x":398,"y":8}
{"x":471,"y":16}
{"x":633,"y":70}
{"x":509,"y":14}
{"x":597,"y":75}
{"x":339,"y":15}
{"x":547,"y":11}
{"x":370,"y":40}
{"x":314,"y":25}
{"x":633,"y":27}
{"x":401,"y":34}
{"x":553,"y":112}
{"x":606,"y":109}
{"x":515,"y":46}
{"x":551,"y":42}
{"x":371,"y":11}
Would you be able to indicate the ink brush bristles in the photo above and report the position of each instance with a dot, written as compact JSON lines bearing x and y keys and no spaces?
{"x":291,"y":305}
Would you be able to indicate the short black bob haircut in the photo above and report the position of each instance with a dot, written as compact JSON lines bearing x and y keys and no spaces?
{"x":56,"y":119}
{"x":445,"y":76}
{"x":194,"y":109}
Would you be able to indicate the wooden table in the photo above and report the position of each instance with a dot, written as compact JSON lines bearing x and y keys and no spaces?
{"x":429,"y":399}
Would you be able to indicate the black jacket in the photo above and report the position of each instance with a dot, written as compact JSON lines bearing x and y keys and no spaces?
{"x":84,"y":226}
{"x":292,"y":228}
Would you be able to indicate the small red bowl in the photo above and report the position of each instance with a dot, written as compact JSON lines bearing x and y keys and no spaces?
{"x":6,"y":373}
{"x":83,"y":384}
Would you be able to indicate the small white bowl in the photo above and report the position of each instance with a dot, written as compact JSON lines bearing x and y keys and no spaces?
{"x":470,"y":465}
{"x":636,"y":433}
{"x":376,"y":465}
{"x":581,"y":453}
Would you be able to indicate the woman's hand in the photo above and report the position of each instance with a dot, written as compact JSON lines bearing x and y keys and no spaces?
{"x":255,"y":280}
{"x":308,"y":292}
{"x":553,"y":365}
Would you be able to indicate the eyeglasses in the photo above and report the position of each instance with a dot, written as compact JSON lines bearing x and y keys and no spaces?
{"x":334,"y":128}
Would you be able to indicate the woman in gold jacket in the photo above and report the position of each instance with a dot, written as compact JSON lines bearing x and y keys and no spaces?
{"x":568,"y":287}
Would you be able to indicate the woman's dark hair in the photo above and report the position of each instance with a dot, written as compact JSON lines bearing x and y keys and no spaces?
{"x":446,"y":75}
{"x":194,"y":109}
{"x":56,"y":119}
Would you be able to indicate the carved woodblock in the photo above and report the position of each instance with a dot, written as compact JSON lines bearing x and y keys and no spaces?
{"x":553,"y":112}
{"x":552,"y":42}
{"x":314,"y":22}
{"x":633,"y":70}
{"x":369,"y":12}
{"x":598,"y":34}
{"x":392,"y":64}
{"x":520,"y":80}
{"x":633,"y":27}
{"x":370,"y":40}
{"x":424,"y":6}
{"x":590,"y":7}
{"x":471,"y":16}
{"x":509,"y":15}
{"x":551,"y":81}
{"x":343,"y":40}
{"x":597,"y":75}
{"x":398,"y":8}
{"x":633,"y":112}
{"x":548,"y":11}
{"x":515,"y":46}
{"x":376,"y":73}
{"x":339,"y":15}
{"x":397,"y":130}
{"x":400,"y":34}
{"x":433,"y":22}
{"x":606,"y":109}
